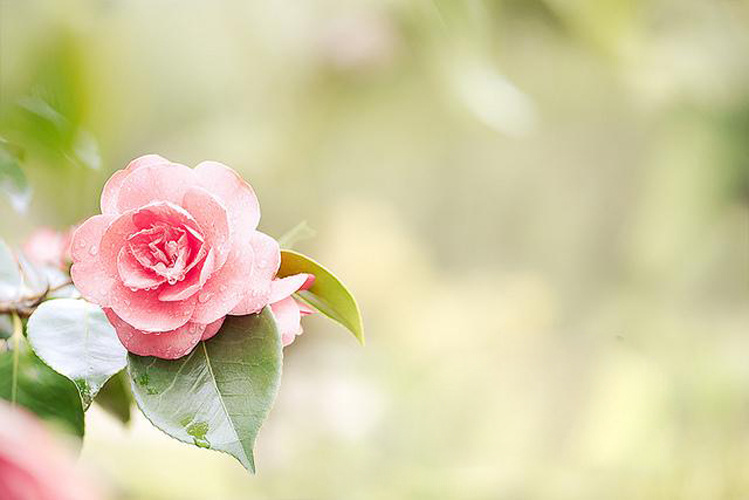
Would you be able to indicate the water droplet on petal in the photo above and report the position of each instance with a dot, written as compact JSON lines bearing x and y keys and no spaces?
{"x":93,"y":250}
{"x":203,"y":297}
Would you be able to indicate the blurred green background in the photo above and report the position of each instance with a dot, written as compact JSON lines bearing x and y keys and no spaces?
{"x":542,"y":205}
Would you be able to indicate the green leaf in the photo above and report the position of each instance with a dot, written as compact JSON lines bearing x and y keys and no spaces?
{"x":25,"y":380}
{"x":13,"y":182}
{"x":218,"y":396}
{"x":38,"y":106}
{"x":116,"y":398}
{"x":59,"y":132}
{"x":75,"y":339}
{"x":328,"y":295}
{"x":300,"y":232}
{"x":6,"y":326}
{"x":10,"y":274}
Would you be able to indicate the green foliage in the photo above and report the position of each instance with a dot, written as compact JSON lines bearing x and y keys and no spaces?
{"x":48,"y":113}
{"x":328,"y":294}
{"x":57,"y":135}
{"x":25,"y":380}
{"x":116,"y":397}
{"x":75,"y":338}
{"x":218,"y":396}
{"x":6,"y":326}
{"x":13,"y":183}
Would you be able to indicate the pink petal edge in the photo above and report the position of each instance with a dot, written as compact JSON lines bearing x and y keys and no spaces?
{"x":172,"y":344}
{"x":111,"y":189}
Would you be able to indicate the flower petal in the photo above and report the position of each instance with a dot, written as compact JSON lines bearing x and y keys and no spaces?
{"x":213,"y":328}
{"x":163,"y":211}
{"x":264,"y":267}
{"x":87,"y":272}
{"x":144,"y":311}
{"x":225,"y":288}
{"x":111,"y":189}
{"x":235,"y":194}
{"x":154,"y":183}
{"x":288,"y":319}
{"x":145,"y":161}
{"x":213,"y":220}
{"x":113,"y":240}
{"x":133,"y":274}
{"x":193,"y":281}
{"x":281,"y":288}
{"x":166,"y":345}
{"x":47,"y":247}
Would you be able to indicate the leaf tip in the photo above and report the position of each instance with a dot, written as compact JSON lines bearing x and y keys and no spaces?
{"x":359,"y":333}
{"x":248,"y":462}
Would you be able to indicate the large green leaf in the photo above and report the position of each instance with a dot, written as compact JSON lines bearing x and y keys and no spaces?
{"x":116,"y":398}
{"x":25,"y":380}
{"x":75,"y":338}
{"x":218,"y":396}
{"x":328,"y":295}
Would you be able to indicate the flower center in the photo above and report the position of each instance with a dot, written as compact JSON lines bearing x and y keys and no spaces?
{"x":168,"y":251}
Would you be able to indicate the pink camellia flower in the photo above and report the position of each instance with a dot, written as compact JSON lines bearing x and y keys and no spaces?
{"x":35,"y":466}
{"x":174,"y":251}
{"x":48,"y":247}
{"x":287,"y":310}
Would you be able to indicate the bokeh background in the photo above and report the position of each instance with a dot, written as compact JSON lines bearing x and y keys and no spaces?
{"x":542,"y":206}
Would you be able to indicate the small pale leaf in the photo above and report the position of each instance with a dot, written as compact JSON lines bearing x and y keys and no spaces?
{"x":75,"y":339}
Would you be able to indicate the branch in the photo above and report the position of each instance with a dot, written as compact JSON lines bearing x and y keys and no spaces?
{"x":24,"y":306}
